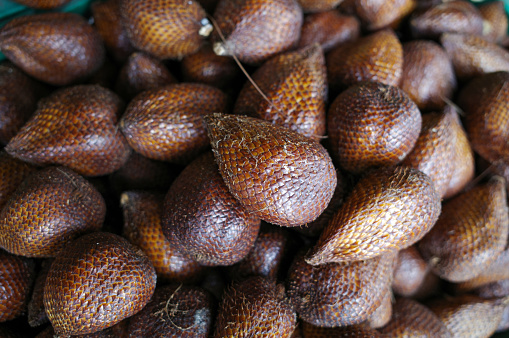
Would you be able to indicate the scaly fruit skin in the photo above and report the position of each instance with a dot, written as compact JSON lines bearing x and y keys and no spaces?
{"x":74,"y":127}
{"x":57,"y":48}
{"x":495,"y":21}
{"x":318,"y":5}
{"x":96,"y":282}
{"x":470,"y":233}
{"x":492,"y":273}
{"x":255,"y":30}
{"x":339,"y":294}
{"x":166,"y":29}
{"x":57,"y":205}
{"x":277,"y":174}
{"x":409,"y":273}
{"x":256,"y":307}
{"x":42,"y":4}
{"x":389,"y":209}
{"x":382,"y":315}
{"x":16,"y":277}
{"x":295,"y":84}
{"x":357,"y":331}
{"x":12,"y":173}
{"x":376,"y":14}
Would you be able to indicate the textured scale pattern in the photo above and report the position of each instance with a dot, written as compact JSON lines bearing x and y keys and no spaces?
{"x":376,"y":57}
{"x":295,"y":84}
{"x":142,"y":227}
{"x":388,"y":210}
{"x":50,"y":208}
{"x":35,"y":43}
{"x":42,"y":4}
{"x":352,"y":331}
{"x":276,"y":174}
{"x":485,"y":101}
{"x":318,"y":5}
{"x":473,"y":56}
{"x":166,"y":124}
{"x":99,"y":280}
{"x":410,"y":271}
{"x":36,"y":312}
{"x":12,"y":173}
{"x":164,"y":28}
{"x":383,"y":313}
{"x":16,"y":277}
{"x":376,"y":14}
{"x":339,"y":294}
{"x":428,"y":76}
{"x":495,"y":21}
{"x":256,"y":307}
{"x":470,"y":233}
{"x":372,"y":124}
{"x":491,"y":273}
{"x":412,"y":319}
{"x":255,"y":30}
{"x":175,"y":311}
{"x":203,"y":220}
{"x":75,"y":127}
{"x":434,"y":149}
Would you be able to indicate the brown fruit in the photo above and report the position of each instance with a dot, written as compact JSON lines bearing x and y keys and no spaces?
{"x":375,"y":57}
{"x":12,"y":173}
{"x":57,"y":48}
{"x":473,"y":56}
{"x":339,"y":294}
{"x":255,"y":30}
{"x":381,"y":316}
{"x":97,"y":281}
{"x":167,"y":29}
{"x":56,"y":205}
{"x":498,"y":289}
{"x":470,"y":233}
{"x":295,"y":89}
{"x":75,"y":127}
{"x":175,"y":311}
{"x":376,"y":14}
{"x":276,"y":174}
{"x":491,"y":273}
{"x":428,"y":76}
{"x":108,"y":21}
{"x":142,"y":227}
{"x":412,"y":319}
{"x":485,"y":101}
{"x":203,"y":220}
{"x":409,"y":273}
{"x":448,"y":17}
{"x":142,"y":72}
{"x":42,"y":4}
{"x":357,"y":331}
{"x":16,"y":277}
{"x":318,"y":5}
{"x":495,"y":21}
{"x":256,"y":307}
{"x":372,"y":124}
{"x":389,"y":209}
{"x":329,"y":29}
{"x":36,"y":312}
{"x":166,"y":124}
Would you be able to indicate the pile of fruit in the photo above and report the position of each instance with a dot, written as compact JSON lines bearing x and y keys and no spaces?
{"x":255,"y":168}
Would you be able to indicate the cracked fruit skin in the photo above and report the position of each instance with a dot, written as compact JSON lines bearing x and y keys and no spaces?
{"x":277,"y":174}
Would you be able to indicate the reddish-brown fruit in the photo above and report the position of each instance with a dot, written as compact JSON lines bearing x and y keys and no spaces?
{"x":42,"y":4}
{"x":376,"y":14}
{"x":142,"y":72}
{"x":57,"y":48}
{"x":382,"y":315}
{"x":448,"y":17}
{"x":207,"y":67}
{"x":372,"y":124}
{"x":356,"y":331}
{"x":142,"y":227}
{"x":491,"y":273}
{"x":276,"y":174}
{"x":75,"y":127}
{"x":485,"y":101}
{"x":175,"y":311}
{"x":495,"y":21}
{"x":409,"y":273}
{"x":255,"y":30}
{"x":470,"y":233}
{"x":36,"y":312}
{"x":428,"y":76}
{"x":50,"y":208}
{"x":329,"y":29}
{"x":318,"y":5}
{"x":412,"y":319}
{"x":167,"y":29}
{"x":12,"y":173}
{"x":473,"y":56}
{"x":117,"y":331}
{"x":256,"y":307}
{"x":16,"y":277}
{"x":295,"y":88}
{"x":496,"y":289}
{"x":433,"y":150}
{"x":97,"y":281}
{"x":166,"y":124}
{"x":389,"y":209}
{"x":376,"y":57}
{"x":107,"y":20}
{"x":469,"y":316}
{"x":203,"y":220}
{"x":339,"y":294}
